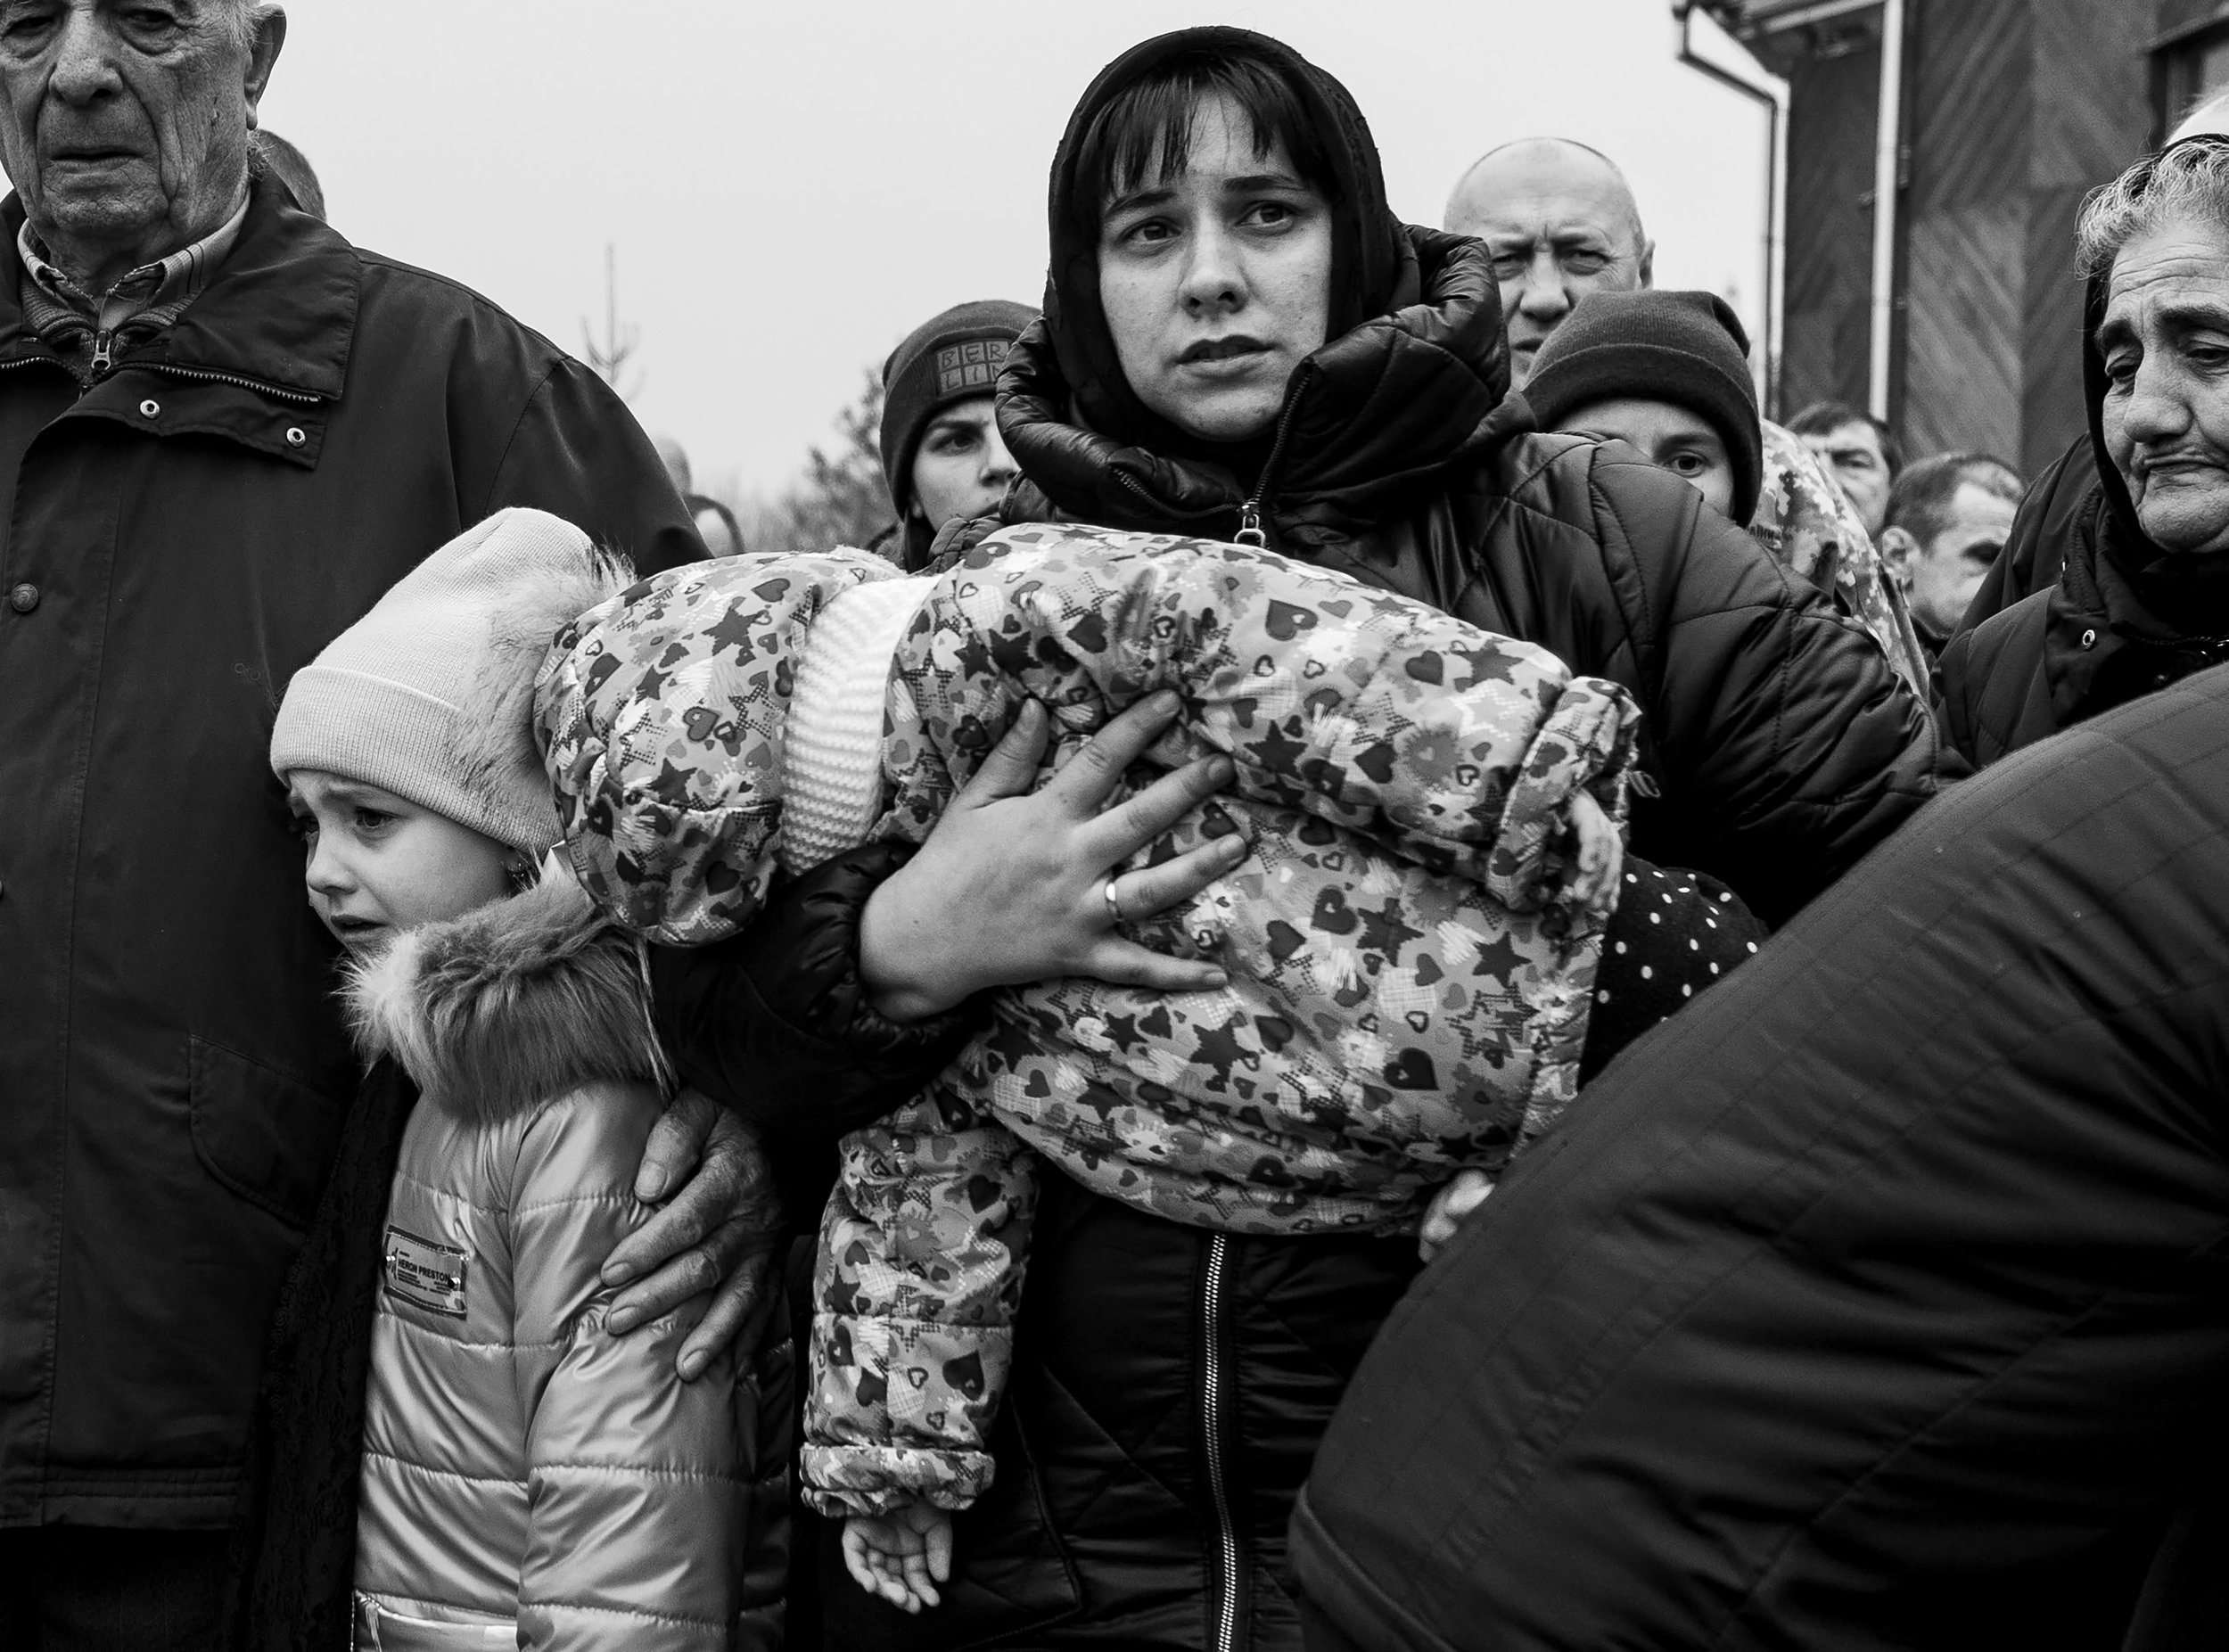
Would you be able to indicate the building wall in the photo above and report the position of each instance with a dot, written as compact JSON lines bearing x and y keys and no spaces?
{"x":2018,"y":108}
{"x":2014,"y":109}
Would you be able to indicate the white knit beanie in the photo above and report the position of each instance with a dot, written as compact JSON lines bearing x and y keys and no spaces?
{"x":430,"y":694}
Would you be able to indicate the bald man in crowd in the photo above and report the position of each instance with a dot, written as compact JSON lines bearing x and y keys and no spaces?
{"x":1561,"y":222}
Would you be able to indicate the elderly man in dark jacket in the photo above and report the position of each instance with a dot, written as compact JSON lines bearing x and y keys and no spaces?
{"x":2143,"y":596}
{"x":225,"y":432}
{"x":1875,"y":1302}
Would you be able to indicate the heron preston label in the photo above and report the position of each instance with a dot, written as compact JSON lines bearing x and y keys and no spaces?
{"x":424,"y":1274}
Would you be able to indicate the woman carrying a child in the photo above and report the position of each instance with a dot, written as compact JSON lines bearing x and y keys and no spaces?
{"x":1241,"y":341}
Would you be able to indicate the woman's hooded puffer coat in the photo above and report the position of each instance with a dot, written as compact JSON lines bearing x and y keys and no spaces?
{"x":525,"y":1475}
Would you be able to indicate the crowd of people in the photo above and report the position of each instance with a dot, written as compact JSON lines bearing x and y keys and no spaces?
{"x":1390,"y":977}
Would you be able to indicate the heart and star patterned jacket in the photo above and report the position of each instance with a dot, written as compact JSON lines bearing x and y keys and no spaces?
{"x":1409,"y":981}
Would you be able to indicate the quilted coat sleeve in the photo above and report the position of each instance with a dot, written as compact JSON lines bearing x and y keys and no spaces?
{"x":915,"y":1285}
{"x":1788,"y":746}
{"x":635,"y":1481}
{"x":1452,"y":747}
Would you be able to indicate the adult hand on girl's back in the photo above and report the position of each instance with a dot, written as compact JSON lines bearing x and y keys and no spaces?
{"x":719,"y":1232}
{"x":1009,"y":888}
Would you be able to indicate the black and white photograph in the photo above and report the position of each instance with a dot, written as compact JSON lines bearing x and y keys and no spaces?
{"x":1004,"y":827}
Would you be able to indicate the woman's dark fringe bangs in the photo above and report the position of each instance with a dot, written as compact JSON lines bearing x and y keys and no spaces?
{"x":1145,"y":131}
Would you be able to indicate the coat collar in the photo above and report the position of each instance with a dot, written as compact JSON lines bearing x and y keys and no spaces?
{"x":280,"y":313}
{"x":500,"y":1010}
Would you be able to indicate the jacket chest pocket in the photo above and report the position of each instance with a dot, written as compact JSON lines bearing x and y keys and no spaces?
{"x":265,"y":1136}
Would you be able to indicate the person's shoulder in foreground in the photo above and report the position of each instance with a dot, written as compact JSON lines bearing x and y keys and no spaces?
{"x":1870,"y":1302}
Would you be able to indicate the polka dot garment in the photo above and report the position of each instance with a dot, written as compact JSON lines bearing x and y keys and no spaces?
{"x":1673,"y":933}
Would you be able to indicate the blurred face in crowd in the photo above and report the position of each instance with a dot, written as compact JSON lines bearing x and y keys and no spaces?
{"x":2165,"y":344}
{"x":1669,"y":438}
{"x":1855,"y":455}
{"x":1560,"y":223}
{"x":1942,"y":575}
{"x":125,"y":124}
{"x":1217,"y":282}
{"x":379,"y":864}
{"x":961,"y":469}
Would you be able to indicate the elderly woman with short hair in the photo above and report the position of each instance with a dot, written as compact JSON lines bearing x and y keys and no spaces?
{"x":2144,"y":598}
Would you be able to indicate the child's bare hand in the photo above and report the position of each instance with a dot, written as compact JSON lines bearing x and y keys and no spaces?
{"x":901,"y":1556}
{"x":1602,"y":858}
{"x":1448,"y":1208}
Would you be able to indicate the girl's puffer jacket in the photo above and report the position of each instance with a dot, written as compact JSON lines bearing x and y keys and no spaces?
{"x":525,"y":1473}
{"x":1408,"y":986}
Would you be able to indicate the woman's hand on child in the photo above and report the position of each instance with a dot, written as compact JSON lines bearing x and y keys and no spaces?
{"x":1602,"y":858}
{"x":1445,"y":1215}
{"x":717,"y":1232}
{"x":901,"y":1555}
{"x":1009,"y":888}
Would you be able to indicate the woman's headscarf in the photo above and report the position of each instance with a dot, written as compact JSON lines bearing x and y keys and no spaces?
{"x":1370,"y":255}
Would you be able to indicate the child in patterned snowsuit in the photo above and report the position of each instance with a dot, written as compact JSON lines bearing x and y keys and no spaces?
{"x":1410,"y":972}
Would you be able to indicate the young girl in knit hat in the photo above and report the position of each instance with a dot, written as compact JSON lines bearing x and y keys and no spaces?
{"x":527,"y":1479}
{"x":1413,"y":928}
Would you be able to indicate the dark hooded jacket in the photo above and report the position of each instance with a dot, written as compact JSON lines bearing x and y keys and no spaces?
{"x":2108,"y":614}
{"x":1777,"y":734}
{"x":1874,"y":1301}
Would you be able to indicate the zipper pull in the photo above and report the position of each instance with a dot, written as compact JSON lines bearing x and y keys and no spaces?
{"x":1250,"y":534}
{"x":103,"y":343}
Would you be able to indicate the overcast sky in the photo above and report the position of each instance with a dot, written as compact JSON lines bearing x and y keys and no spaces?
{"x":790,"y":188}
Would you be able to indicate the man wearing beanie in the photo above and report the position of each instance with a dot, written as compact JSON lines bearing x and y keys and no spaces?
{"x":942,"y":454}
{"x":1667,"y":372}
{"x":1565,"y":232}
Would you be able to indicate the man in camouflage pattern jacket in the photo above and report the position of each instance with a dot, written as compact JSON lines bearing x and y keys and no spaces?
{"x":1807,"y":524}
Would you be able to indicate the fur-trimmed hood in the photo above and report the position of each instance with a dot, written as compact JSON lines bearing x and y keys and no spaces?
{"x":511,"y":1005}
